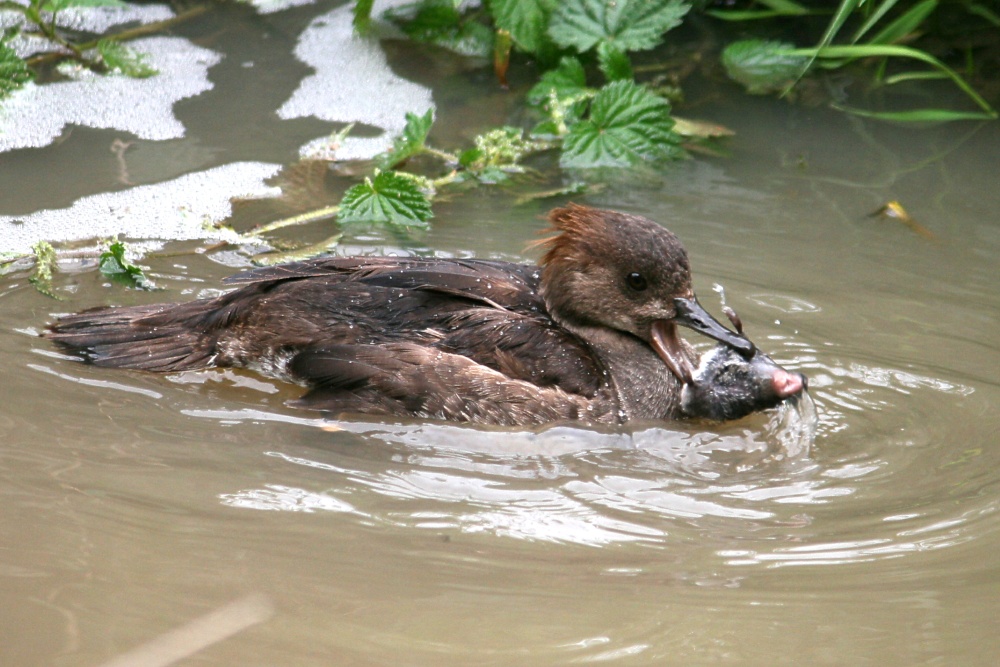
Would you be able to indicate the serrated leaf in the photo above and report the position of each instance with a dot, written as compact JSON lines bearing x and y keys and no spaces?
{"x":113,"y":264}
{"x":627,"y":125}
{"x":469,"y":39}
{"x":614,"y":63}
{"x":525,"y":20}
{"x":410,"y":142}
{"x":630,"y":25}
{"x":14,"y":72}
{"x":760,"y":66}
{"x":119,"y":58}
{"x":440,"y":23}
{"x":388,"y":197}
{"x":567,"y":80}
{"x":59,"y":5}
{"x":470,"y":157}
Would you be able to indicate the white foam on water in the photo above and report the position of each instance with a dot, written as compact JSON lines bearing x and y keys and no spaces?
{"x":37,"y":114}
{"x":184,"y":208}
{"x":352,"y":83}
{"x":83,"y":19}
{"x":271,"y":6}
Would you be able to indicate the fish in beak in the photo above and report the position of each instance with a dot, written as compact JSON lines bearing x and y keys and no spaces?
{"x":689,"y":313}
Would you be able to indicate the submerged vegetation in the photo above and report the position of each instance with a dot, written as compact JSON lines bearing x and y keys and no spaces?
{"x":39,"y":19}
{"x":600,"y":101}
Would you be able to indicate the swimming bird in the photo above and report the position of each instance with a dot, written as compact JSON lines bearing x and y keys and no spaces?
{"x":590,"y":334}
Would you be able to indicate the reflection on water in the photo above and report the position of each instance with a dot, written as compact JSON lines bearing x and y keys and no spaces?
{"x":568,"y":485}
{"x":487,"y":480}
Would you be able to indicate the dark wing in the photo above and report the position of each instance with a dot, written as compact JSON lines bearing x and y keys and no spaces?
{"x":505,"y":284}
{"x":487,"y":311}
{"x":408,"y":379}
{"x":524,"y":347}
{"x":321,"y":266}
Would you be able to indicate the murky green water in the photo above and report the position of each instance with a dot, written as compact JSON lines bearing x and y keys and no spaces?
{"x":133,"y":504}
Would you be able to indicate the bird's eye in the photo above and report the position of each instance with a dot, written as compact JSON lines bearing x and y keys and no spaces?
{"x":636,"y":281}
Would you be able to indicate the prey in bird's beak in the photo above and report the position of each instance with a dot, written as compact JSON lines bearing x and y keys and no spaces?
{"x":667,"y":342}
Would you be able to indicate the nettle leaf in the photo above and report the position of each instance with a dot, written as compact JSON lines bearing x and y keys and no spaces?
{"x":470,"y":39}
{"x":760,"y":66}
{"x":119,"y":58}
{"x":525,"y":20}
{"x":116,"y":266}
{"x":410,"y":142}
{"x":440,"y":23}
{"x":59,"y":5}
{"x":388,"y":197}
{"x":14,"y":72}
{"x":567,"y":80}
{"x":627,"y":125}
{"x":614,"y":63}
{"x":630,"y":25}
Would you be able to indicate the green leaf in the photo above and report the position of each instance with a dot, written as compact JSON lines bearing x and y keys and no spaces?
{"x":362,"y":16}
{"x":567,"y":80}
{"x":410,"y":142}
{"x":119,"y":58}
{"x":499,"y":150}
{"x":525,"y":20}
{"x":45,"y":261}
{"x":614,"y":62}
{"x":785,"y":6}
{"x":844,"y":11}
{"x":919,"y":115}
{"x":872,"y":16}
{"x":774,"y":8}
{"x":627,"y":125}
{"x":440,"y":23}
{"x":630,"y":25}
{"x":389,"y":197}
{"x":14,"y":72}
{"x":470,"y":39}
{"x":904,"y":25}
{"x":59,"y":5}
{"x":894,"y":51}
{"x":113,"y":264}
{"x":985,"y":13}
{"x":761,"y":66}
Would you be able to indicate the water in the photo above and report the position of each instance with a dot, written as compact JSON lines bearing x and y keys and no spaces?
{"x":134,"y":504}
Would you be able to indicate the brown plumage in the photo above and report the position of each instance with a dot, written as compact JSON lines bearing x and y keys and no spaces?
{"x":589,"y":335}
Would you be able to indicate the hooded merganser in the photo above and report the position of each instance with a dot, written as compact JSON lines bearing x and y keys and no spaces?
{"x":590,"y":334}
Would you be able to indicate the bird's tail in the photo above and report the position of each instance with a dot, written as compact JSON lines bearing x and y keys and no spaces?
{"x":160,"y":337}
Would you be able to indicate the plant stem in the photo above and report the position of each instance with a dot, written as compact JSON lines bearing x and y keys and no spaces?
{"x":300,"y":219}
{"x":300,"y":253}
{"x":443,"y":155}
{"x":149,"y":28}
{"x":132,"y":33}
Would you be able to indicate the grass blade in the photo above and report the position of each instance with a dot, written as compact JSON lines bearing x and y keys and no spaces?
{"x":895,"y":51}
